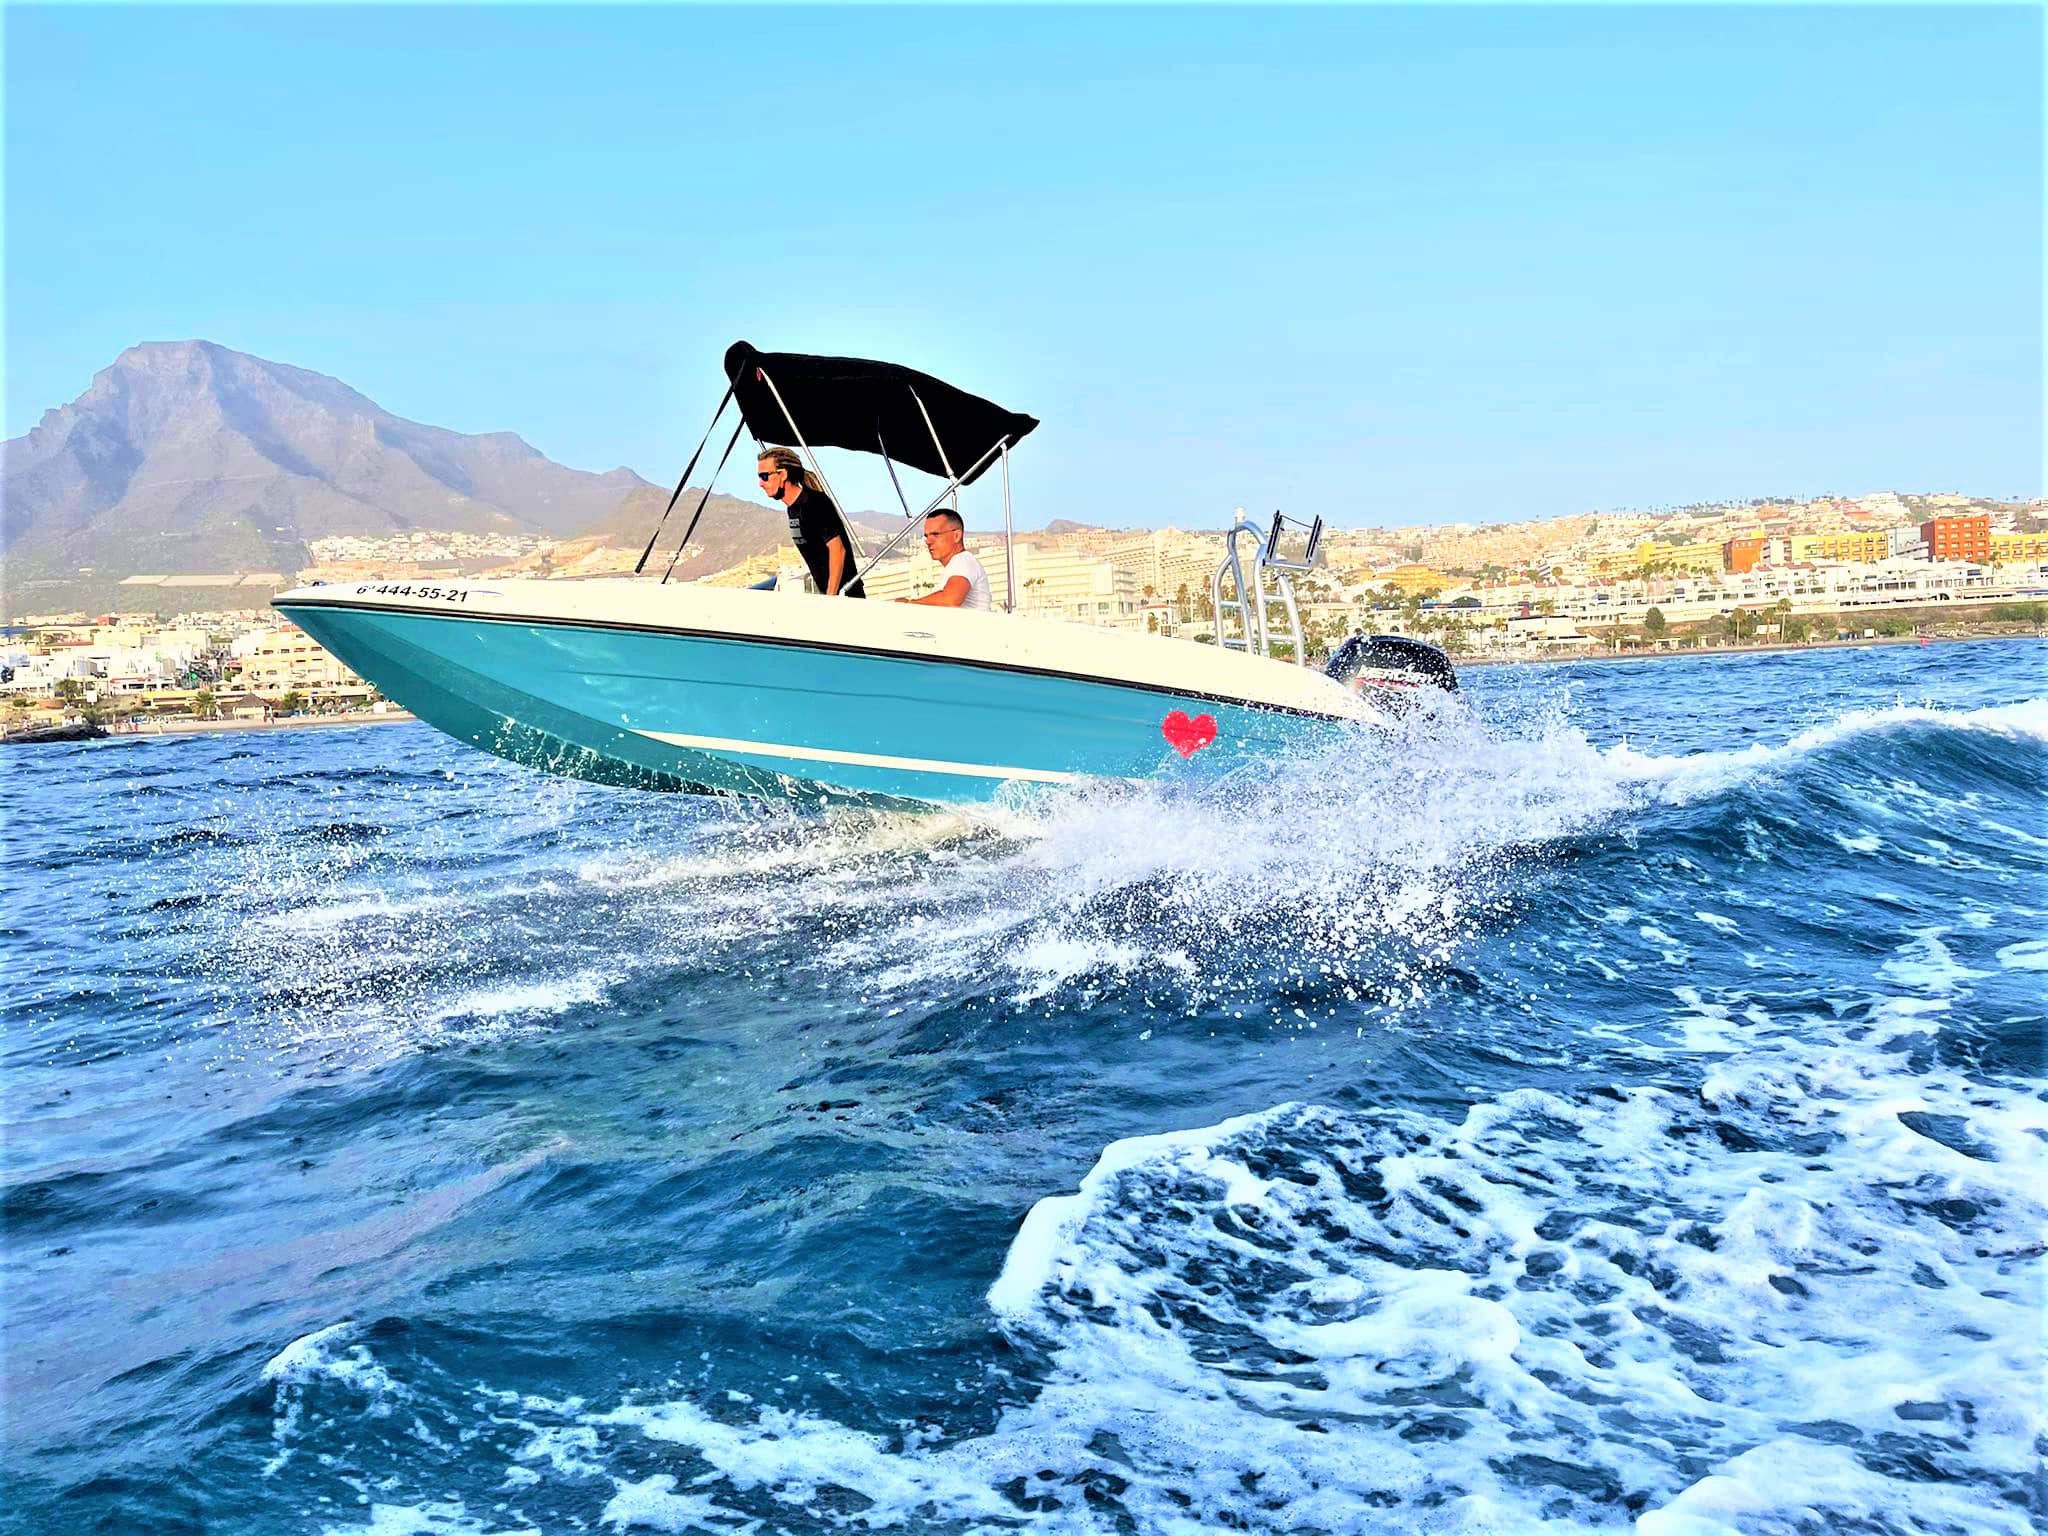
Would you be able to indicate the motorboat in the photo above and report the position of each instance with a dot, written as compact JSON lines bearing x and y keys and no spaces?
{"x":651,"y":683}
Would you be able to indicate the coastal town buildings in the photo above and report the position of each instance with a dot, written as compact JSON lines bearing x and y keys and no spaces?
{"x":1051,"y":582}
{"x":1555,"y":584}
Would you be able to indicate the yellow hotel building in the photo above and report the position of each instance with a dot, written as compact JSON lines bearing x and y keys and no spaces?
{"x":2009,"y":548}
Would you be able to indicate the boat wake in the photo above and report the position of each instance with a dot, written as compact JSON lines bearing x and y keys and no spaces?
{"x":1680,"y":1309}
{"x":1362,"y":873}
{"x":1663,"y":1233}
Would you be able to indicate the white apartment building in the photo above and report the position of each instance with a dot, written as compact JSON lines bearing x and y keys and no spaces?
{"x":284,"y":657}
{"x":1166,"y":559}
{"x":1809,"y":589}
{"x":112,"y":658}
{"x":1052,"y":583}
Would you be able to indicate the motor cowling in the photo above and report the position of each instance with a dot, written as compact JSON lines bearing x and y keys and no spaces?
{"x":1393,"y":671}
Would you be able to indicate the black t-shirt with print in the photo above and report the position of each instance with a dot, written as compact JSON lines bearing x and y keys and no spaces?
{"x":813,"y":523}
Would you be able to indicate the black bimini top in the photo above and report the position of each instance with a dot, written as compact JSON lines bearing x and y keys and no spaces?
{"x":848,"y":402}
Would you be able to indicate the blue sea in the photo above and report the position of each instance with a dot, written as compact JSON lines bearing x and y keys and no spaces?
{"x":1615,"y":1106}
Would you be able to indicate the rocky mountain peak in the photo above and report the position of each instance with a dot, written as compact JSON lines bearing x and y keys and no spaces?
{"x":188,"y":455}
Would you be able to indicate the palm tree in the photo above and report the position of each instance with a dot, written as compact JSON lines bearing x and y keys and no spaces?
{"x":204,"y":704}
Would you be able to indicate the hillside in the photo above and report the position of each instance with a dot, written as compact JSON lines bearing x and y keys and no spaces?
{"x":186,"y":456}
{"x":731,"y":532}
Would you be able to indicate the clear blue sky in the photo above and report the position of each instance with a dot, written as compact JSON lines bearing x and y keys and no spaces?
{"x":1394,"y":265}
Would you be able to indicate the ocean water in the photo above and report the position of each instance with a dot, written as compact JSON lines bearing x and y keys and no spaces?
{"x":1618,"y":1106}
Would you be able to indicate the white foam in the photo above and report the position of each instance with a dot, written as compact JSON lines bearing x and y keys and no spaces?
{"x":323,"y":1356}
{"x":1927,"y":965}
{"x":2028,"y":955}
{"x":1577,"y":1347}
{"x":326,"y":1353}
{"x":326,"y":916}
{"x":1043,"y":1250}
{"x":1776,"y":1486}
{"x":795,"y":1455}
{"x":1694,"y":776}
{"x":653,"y":1504}
{"x":569,"y":1450}
{"x":525,"y":998}
{"x":1050,"y":961}
{"x":1594,"y":1295}
{"x":445,"y":1517}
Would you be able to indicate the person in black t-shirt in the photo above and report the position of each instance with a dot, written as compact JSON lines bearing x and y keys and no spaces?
{"x":815,"y":526}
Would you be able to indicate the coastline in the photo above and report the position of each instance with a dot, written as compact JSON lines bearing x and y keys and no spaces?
{"x":151,"y":729}
{"x":1772,"y":648}
{"x":161,"y":728}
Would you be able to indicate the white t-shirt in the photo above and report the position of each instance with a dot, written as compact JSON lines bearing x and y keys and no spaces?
{"x":964,"y":564}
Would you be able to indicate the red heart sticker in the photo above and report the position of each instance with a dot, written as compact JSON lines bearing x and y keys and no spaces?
{"x":1185,"y":736}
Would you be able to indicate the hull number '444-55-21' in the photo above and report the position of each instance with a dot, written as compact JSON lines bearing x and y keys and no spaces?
{"x":431,"y":594}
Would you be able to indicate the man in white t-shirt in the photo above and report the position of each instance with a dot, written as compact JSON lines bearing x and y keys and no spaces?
{"x":965,"y":583}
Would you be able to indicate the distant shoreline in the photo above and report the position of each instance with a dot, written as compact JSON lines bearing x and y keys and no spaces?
{"x":1775,"y":648}
{"x":157,"y":729}
{"x":151,"y":729}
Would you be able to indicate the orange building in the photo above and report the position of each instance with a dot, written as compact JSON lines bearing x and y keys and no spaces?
{"x":1958,"y":538}
{"x":1739,"y":556}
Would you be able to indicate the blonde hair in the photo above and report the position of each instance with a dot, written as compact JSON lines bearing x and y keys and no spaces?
{"x":791,"y":463}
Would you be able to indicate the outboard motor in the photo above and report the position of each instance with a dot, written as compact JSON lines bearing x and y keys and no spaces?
{"x":1392,"y":671}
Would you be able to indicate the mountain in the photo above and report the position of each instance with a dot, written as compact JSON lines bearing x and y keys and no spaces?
{"x":186,"y":456}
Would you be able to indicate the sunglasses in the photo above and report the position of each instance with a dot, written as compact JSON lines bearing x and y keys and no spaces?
{"x":767,"y":474}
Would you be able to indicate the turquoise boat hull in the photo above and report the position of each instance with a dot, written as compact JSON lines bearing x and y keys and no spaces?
{"x":655,"y":708}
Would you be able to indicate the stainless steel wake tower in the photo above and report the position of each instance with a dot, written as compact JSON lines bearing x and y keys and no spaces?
{"x":1250,"y":598}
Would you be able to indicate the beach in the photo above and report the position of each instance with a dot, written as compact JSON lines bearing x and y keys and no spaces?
{"x":183,"y":727}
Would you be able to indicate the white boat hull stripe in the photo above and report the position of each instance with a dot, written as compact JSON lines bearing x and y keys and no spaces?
{"x":860,"y":759}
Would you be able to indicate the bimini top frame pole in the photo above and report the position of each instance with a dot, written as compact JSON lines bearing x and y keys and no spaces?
{"x":1009,"y":544}
{"x":1001,"y":446}
{"x":941,"y":447}
{"x":811,"y":459}
{"x":689,"y":470}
